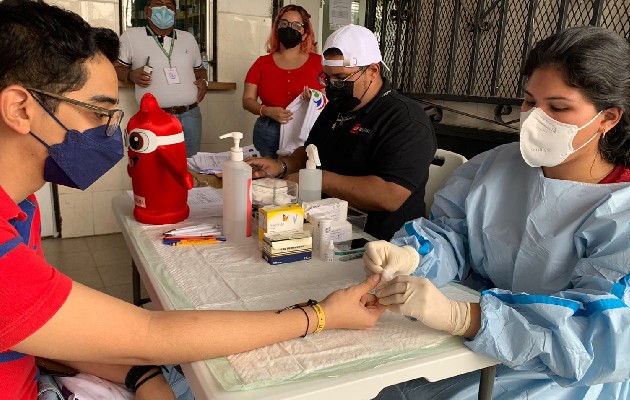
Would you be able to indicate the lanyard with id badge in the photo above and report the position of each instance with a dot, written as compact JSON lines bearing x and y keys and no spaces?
{"x":172,"y":76}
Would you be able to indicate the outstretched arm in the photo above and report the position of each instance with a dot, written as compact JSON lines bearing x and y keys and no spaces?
{"x":129,"y":335}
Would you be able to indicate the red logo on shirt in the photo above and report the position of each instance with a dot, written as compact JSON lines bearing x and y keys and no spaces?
{"x":355,"y":129}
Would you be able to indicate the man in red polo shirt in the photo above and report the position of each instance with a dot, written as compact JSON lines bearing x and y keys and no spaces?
{"x":59,"y":123}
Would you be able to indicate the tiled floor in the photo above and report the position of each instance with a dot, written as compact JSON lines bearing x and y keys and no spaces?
{"x":100,"y":262}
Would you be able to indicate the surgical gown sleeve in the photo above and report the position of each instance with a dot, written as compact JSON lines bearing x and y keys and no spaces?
{"x":577,"y":336}
{"x":558,"y":253}
{"x":442,"y":241}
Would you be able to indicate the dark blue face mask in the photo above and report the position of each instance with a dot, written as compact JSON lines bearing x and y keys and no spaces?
{"x":82,"y":157}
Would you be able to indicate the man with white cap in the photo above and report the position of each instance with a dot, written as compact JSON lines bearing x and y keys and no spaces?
{"x":375,"y":145}
{"x":167,"y":63}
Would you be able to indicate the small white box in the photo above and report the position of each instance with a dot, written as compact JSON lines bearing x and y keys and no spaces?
{"x":333,"y":209}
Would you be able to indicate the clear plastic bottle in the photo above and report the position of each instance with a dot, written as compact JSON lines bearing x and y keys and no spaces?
{"x":237,"y":194}
{"x":324,"y":237}
{"x":330,"y":252}
{"x":310,"y":186}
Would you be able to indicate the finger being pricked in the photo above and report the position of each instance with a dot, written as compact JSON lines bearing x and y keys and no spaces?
{"x":370,"y":300}
{"x":345,"y":309}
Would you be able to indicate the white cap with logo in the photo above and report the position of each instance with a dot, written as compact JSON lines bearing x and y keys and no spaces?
{"x":357,"y":44}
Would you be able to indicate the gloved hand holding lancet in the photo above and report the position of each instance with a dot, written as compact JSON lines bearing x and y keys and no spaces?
{"x":389,"y":260}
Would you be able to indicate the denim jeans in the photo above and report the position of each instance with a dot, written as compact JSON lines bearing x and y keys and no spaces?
{"x":49,"y":390}
{"x":191,"y":124}
{"x":178,"y":383}
{"x":267,"y":136}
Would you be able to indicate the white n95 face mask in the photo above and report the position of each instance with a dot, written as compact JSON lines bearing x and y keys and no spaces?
{"x":546,"y":142}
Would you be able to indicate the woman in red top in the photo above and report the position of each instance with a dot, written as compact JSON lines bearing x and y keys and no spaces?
{"x":279,"y":77}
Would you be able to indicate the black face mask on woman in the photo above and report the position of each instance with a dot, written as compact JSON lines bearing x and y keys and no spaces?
{"x":289,"y":37}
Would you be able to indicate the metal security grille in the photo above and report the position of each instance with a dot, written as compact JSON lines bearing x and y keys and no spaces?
{"x":472,"y":50}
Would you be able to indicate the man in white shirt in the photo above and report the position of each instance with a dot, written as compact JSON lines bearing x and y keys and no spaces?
{"x":167,"y":63}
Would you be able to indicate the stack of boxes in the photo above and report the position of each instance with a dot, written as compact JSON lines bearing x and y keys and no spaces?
{"x":284,"y":237}
{"x":281,"y":234}
{"x":286,"y":247}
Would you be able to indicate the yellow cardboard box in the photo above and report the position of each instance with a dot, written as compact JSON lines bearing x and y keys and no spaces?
{"x":274,"y":219}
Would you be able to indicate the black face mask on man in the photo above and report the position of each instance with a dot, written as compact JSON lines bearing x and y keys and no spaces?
{"x":342,"y":97}
{"x":289,"y":37}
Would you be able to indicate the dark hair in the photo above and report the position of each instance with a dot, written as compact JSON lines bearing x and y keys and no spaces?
{"x":596,"y":61}
{"x":45,"y":47}
{"x":333,"y":52}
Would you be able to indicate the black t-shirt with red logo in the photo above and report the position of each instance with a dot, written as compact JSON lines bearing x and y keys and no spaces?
{"x":390,"y":137}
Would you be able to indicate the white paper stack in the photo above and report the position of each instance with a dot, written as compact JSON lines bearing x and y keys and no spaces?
{"x":210,"y":163}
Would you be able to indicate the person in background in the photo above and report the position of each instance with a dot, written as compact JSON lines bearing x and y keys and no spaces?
{"x":279,"y":77}
{"x":59,"y":123}
{"x":375,"y":145}
{"x":176,"y":76}
{"x":542,"y":229}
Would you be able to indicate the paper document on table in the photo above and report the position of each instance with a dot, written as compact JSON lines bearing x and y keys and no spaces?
{"x":203,"y":202}
{"x":210,"y":163}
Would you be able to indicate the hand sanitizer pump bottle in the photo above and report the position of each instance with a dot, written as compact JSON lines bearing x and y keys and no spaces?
{"x":237,"y":194}
{"x":310,"y":187}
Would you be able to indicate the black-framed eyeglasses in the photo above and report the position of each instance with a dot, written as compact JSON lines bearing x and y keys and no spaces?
{"x":114,"y":117}
{"x":283,"y":23}
{"x":325,"y":80}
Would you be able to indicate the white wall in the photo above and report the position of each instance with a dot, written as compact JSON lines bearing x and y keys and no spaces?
{"x":46,"y":210}
{"x":242,"y":29}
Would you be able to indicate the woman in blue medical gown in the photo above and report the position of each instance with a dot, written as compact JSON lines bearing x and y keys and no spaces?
{"x":542,"y":229}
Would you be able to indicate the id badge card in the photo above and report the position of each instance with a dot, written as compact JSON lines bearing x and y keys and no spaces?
{"x":172,"y":77}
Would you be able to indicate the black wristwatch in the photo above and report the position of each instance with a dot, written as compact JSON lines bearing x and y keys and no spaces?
{"x":284,"y":168}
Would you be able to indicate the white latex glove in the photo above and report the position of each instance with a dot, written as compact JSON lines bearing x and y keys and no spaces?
{"x":389,"y":260}
{"x":417,"y":297}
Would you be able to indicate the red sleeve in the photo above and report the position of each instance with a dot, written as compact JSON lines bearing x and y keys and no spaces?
{"x":32,"y":291}
{"x":315,"y":64}
{"x":255,"y":73}
{"x":619,"y":174}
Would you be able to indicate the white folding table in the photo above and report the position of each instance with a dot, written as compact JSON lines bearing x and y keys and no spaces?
{"x":353,"y":385}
